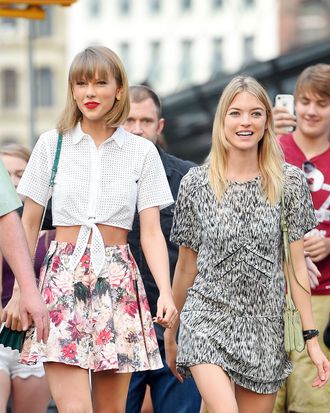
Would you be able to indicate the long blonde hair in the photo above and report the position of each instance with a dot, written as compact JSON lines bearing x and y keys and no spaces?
{"x":84,"y":66}
{"x":270,"y":156}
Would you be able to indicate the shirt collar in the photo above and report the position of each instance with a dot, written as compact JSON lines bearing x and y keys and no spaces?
{"x":118,"y":136}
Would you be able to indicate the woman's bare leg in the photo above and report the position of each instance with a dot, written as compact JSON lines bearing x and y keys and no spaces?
{"x":147,"y":402}
{"x":110,"y":391}
{"x":215,"y":387}
{"x":203,"y":408}
{"x":33,"y":392}
{"x":69,"y":386}
{"x":5,"y":391}
{"x":251,"y":402}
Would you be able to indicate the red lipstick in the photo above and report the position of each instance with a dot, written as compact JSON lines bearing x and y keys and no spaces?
{"x":91,"y":105}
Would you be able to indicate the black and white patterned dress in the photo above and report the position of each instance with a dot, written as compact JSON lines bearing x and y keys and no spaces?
{"x":233,"y":315}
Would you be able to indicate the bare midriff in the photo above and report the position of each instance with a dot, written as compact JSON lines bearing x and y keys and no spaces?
{"x":111,"y":235}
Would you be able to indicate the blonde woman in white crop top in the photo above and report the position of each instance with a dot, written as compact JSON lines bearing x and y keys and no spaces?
{"x":99,"y":315}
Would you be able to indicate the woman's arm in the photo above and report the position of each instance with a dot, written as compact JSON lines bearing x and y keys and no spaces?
{"x":184,"y":276}
{"x":302,"y":301}
{"x":155,"y":251}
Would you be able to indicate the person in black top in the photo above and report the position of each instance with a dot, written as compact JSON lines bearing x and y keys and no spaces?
{"x":167,"y":393}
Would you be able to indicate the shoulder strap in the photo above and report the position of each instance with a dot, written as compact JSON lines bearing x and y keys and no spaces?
{"x":287,"y":252}
{"x":51,"y":182}
{"x":57,"y":157}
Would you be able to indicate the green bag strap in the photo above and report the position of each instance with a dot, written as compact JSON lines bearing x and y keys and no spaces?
{"x":57,"y":157}
{"x":287,"y":252}
{"x":51,"y":184}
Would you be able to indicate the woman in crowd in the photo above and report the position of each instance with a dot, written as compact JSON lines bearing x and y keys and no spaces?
{"x":25,"y":385}
{"x":229,"y":281}
{"x":99,"y":315}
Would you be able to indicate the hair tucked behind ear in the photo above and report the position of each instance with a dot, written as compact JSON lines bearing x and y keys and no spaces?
{"x":270,"y":155}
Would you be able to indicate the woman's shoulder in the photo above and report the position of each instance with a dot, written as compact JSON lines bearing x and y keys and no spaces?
{"x":295,"y":182}
{"x":136,"y":142}
{"x":49,"y":138}
{"x":196,"y":177}
{"x":292,"y":174}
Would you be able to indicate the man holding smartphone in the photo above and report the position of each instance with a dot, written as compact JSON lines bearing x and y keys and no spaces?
{"x":308,"y":148}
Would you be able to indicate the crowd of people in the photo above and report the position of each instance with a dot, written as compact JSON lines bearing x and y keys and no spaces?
{"x":162,"y":287}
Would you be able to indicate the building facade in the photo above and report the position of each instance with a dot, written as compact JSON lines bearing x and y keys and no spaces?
{"x":303,"y":22}
{"x":172,"y":44}
{"x":32,"y":75}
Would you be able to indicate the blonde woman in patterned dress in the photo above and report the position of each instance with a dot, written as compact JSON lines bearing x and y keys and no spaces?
{"x":229,"y":282}
{"x":99,"y":315}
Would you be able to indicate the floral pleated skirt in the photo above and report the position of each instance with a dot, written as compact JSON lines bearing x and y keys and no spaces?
{"x":96,"y":322}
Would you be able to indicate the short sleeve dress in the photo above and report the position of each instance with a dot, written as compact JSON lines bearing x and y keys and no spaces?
{"x":233,"y":315}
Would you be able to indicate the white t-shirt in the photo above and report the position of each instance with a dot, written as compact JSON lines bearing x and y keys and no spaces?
{"x":96,"y":185}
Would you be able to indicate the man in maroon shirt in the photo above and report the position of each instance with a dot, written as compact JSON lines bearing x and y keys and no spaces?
{"x":308,"y":148}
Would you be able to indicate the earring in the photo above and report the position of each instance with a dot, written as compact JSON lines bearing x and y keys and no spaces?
{"x":118,"y":97}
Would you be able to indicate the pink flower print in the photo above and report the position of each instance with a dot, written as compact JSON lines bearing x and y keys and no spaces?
{"x":76,"y":334}
{"x":116,"y":274}
{"x":56,"y":315}
{"x":48,"y":295}
{"x":56,"y":263}
{"x":68,"y":250}
{"x":131,"y":307}
{"x":85,"y":261}
{"x":145,"y":304}
{"x":104,"y":337}
{"x":69,"y":351}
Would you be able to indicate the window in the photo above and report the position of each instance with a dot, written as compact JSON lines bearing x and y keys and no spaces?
{"x":248,"y":50}
{"x":44,"y":86}
{"x":155,"y":6}
{"x":217,"y":4}
{"x":9,"y":88}
{"x":9,"y":139}
{"x":124,"y":6}
{"x":125,"y":52}
{"x":217,"y":58}
{"x":248,"y":3}
{"x":44,"y":28}
{"x":186,"y":62}
{"x":186,"y":4}
{"x":94,"y":8}
{"x":155,"y":62}
{"x":312,"y":21}
{"x":8,"y":23}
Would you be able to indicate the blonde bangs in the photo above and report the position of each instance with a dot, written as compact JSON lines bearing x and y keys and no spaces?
{"x":86,"y":65}
{"x":104,"y":62}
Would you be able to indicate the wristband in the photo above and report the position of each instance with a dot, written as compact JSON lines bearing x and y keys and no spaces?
{"x":308,"y":334}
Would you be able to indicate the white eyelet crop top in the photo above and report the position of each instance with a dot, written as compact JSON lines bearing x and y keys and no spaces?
{"x":96,"y":185}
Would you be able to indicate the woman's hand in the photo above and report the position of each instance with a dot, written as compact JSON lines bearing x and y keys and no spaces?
{"x":167,"y":313}
{"x":170,"y":353}
{"x":321,"y":362}
{"x":10,"y":314}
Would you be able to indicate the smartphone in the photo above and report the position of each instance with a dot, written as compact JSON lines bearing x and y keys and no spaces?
{"x":286,"y":101}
